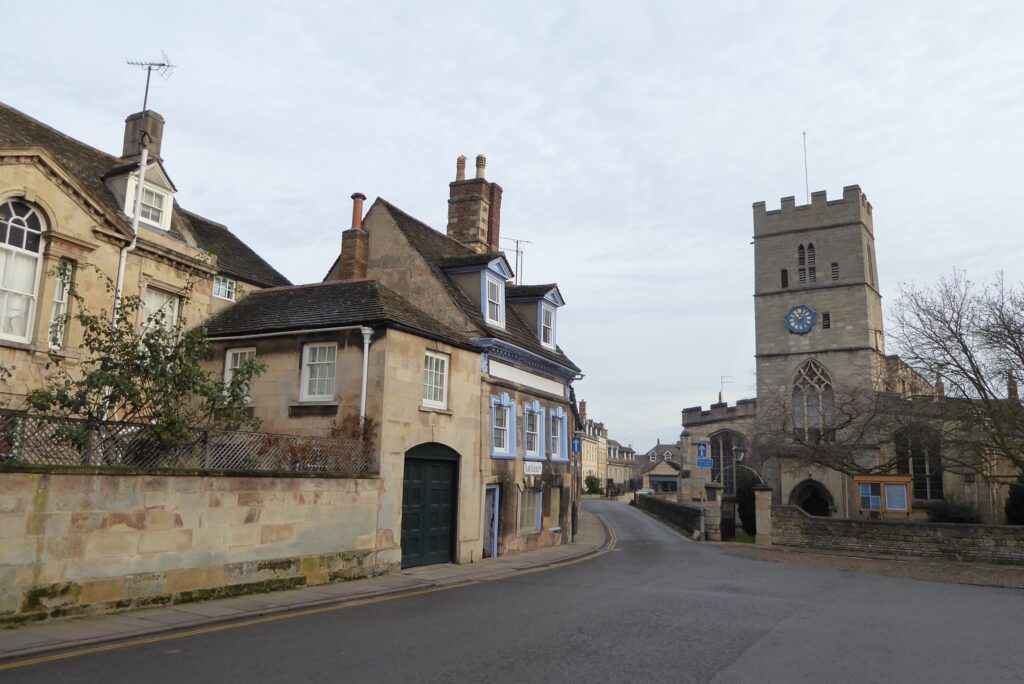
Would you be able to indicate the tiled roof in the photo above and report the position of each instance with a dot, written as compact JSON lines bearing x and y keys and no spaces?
{"x":471,"y":259}
{"x":438,"y":250}
{"x":528,"y":291}
{"x":234,"y":257}
{"x":90,"y":166}
{"x":327,"y":305}
{"x":85,"y":164}
{"x":671,"y":464}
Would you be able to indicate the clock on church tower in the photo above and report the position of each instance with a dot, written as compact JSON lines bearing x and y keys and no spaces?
{"x":800,"y":319}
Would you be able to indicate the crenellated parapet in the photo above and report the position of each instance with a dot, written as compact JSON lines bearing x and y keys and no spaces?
{"x":696,"y":415}
{"x":852,"y":208}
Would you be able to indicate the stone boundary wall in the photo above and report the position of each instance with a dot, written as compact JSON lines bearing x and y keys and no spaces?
{"x":682,"y":516}
{"x":84,"y":543}
{"x":791,"y":526}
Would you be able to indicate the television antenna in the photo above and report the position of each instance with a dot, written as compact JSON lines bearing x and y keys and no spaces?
{"x":162,"y":67}
{"x":723,"y":380}
{"x":520,"y":255}
{"x":807,"y":184}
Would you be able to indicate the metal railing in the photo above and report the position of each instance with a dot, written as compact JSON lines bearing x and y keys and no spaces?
{"x":57,"y":441}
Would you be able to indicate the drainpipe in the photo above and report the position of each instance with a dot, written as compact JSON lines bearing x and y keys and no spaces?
{"x":367,"y":333}
{"x":123,"y":259}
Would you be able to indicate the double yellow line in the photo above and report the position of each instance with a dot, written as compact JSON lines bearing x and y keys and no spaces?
{"x":104,"y":648}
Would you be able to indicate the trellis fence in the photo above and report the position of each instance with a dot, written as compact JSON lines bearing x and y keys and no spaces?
{"x":57,"y":441}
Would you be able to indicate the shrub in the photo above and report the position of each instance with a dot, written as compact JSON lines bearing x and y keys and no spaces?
{"x":593,"y":484}
{"x":1015,"y":503}
{"x":953,"y":511}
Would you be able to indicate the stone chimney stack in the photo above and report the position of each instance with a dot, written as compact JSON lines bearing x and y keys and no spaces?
{"x":1011,"y":387}
{"x":940,"y":388}
{"x":355,"y":244}
{"x":474,"y":208}
{"x":143,"y":128}
{"x":583,"y":412}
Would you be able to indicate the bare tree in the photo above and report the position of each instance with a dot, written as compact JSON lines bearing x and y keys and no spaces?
{"x":847,"y":428}
{"x":972,"y":338}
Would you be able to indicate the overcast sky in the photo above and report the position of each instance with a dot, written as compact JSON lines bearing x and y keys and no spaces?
{"x":630,"y":139}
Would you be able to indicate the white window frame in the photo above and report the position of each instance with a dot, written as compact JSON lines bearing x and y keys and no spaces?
{"x":58,"y":329}
{"x":499,"y":301}
{"x":503,"y":405}
{"x":534,"y":433}
{"x":539,"y":511}
{"x":558,"y":435}
{"x":431,"y":375}
{"x":165,"y":211}
{"x":227,"y":286}
{"x":170,"y":321}
{"x":546,"y":310}
{"x":886,"y":487}
{"x":535,"y":411}
{"x":11,"y":250}
{"x":304,"y":393}
{"x":235,"y":357}
{"x":501,"y":446}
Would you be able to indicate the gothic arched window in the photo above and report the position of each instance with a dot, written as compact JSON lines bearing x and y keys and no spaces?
{"x":813,"y":402}
{"x":811,"y":270}
{"x":21,"y":228}
{"x":725,"y":447}
{"x":801,"y":258}
{"x":919,"y":454}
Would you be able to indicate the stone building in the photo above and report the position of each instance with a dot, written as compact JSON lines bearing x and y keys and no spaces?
{"x":65,"y":217}
{"x":594,"y":443}
{"x":819,"y":342}
{"x":460,"y":369}
{"x":624,"y":468}
{"x":663,"y":467}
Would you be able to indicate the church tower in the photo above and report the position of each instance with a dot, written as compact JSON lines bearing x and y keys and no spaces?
{"x":816,"y":294}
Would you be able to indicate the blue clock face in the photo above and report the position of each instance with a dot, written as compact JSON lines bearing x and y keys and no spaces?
{"x":800,"y":319}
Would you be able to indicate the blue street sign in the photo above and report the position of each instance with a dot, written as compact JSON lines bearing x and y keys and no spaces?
{"x":702,"y":451}
{"x":705,"y":463}
{"x":577,"y":445}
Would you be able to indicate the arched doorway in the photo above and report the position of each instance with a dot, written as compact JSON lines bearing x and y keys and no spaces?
{"x":430,"y":498}
{"x":813,"y":497}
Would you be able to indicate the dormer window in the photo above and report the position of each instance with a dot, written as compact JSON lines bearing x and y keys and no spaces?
{"x":547,"y":326}
{"x":157,"y":202}
{"x":495,"y":309}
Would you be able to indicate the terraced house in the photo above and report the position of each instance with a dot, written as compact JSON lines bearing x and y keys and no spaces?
{"x":65,"y":205}
{"x":459,"y":369}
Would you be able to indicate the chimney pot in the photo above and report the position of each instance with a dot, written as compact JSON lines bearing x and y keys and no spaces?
{"x":460,"y":168}
{"x":1011,"y":387}
{"x":357,"y":210}
{"x":355,"y":246}
{"x":481,"y":162}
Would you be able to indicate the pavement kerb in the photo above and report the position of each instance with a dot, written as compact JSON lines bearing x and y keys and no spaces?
{"x":69,"y":648}
{"x":755,"y":552}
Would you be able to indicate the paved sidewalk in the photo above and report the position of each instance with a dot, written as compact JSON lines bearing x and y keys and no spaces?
{"x":59,"y":635}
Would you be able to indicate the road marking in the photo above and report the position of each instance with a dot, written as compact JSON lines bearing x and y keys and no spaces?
{"x":104,"y":648}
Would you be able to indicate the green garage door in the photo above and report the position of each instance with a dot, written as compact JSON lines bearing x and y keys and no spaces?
{"x":428,"y":511}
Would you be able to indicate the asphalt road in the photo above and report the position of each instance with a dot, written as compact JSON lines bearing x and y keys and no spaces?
{"x":656,"y":607}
